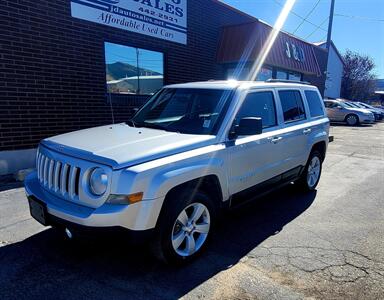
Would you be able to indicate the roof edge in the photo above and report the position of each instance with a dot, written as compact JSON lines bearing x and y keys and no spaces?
{"x":235,"y":9}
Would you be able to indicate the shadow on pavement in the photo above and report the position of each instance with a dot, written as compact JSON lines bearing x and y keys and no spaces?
{"x":356,"y":126}
{"x":46,"y":266}
{"x":8,"y":182}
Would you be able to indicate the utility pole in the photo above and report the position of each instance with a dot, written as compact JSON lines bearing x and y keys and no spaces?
{"x":329,"y":36}
{"x":329,"y":40}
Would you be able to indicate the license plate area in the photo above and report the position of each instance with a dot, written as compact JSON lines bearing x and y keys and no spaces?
{"x":38,"y":210}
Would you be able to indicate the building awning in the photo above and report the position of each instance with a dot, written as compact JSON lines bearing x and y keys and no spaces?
{"x":243,"y":43}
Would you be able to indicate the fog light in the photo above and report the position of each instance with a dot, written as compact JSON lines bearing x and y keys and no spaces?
{"x":125,"y":199}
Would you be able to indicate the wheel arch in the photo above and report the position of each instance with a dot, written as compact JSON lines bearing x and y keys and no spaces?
{"x":320,"y":146}
{"x":353,"y":114}
{"x":208,"y":184}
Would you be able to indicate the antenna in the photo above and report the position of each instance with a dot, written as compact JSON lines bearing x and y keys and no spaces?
{"x":111,"y":105}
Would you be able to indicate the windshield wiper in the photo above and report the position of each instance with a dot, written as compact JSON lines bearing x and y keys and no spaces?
{"x":131,"y":123}
{"x":150,"y":125}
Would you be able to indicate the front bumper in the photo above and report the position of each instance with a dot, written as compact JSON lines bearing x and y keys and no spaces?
{"x":140,"y":216}
{"x":367,"y":119}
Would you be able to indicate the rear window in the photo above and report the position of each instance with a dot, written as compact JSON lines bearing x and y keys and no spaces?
{"x":314,"y":103}
{"x":292,"y":104}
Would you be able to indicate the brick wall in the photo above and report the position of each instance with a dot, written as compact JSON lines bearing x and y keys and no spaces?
{"x":52,"y":69}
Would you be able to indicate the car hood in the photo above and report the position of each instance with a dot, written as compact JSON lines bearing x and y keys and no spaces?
{"x":122,"y":146}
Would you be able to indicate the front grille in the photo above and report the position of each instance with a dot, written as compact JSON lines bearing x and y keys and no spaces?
{"x":58,"y":177}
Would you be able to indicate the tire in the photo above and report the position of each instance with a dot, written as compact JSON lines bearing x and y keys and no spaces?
{"x":178,"y":240}
{"x":352,"y":120}
{"x":311,"y":175}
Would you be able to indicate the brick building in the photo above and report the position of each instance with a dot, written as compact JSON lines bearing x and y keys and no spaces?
{"x":65,"y":65}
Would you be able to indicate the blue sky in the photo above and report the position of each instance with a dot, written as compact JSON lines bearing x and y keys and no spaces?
{"x":358,"y":32}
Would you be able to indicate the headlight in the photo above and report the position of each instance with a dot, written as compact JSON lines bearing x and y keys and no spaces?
{"x":98,"y":181}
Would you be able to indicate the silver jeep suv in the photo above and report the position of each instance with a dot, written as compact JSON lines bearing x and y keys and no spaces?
{"x":191,"y":151}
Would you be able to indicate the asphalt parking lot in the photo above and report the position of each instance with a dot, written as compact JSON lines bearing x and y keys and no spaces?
{"x":327,"y":244}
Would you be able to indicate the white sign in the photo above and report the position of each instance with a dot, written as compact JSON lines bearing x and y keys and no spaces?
{"x":164,"y":19}
{"x":295,"y":52}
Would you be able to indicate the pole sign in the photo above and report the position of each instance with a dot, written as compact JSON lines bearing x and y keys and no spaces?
{"x":164,"y":19}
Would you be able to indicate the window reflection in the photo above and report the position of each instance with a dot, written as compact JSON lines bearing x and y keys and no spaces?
{"x":132,"y":70}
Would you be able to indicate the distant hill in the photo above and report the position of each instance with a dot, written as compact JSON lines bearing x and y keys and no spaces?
{"x":380,"y":84}
{"x":120,"y":70}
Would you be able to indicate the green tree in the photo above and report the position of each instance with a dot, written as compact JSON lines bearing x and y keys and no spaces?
{"x":358,"y":82}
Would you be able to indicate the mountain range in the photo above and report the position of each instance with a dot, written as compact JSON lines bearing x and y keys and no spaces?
{"x":120,"y":70}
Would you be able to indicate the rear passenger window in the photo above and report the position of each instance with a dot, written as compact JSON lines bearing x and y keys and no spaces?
{"x":259,"y":104}
{"x":292,"y":104}
{"x":314,"y":103}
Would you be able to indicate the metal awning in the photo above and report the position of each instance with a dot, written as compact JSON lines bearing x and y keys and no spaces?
{"x":244,"y":42}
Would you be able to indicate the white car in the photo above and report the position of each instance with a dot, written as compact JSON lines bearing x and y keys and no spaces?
{"x":191,"y":151}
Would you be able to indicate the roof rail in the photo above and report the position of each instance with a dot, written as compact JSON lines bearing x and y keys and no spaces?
{"x":288,"y":81}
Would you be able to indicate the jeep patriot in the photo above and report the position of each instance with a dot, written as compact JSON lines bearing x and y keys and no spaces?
{"x":192,"y":150}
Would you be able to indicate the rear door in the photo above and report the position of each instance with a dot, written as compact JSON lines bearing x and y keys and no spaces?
{"x":295,"y":129}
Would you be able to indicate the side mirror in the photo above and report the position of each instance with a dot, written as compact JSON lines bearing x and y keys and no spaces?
{"x":339,"y":107}
{"x":249,"y":126}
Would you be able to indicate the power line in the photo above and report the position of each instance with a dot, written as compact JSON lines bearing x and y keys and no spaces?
{"x":360,"y":18}
{"x":306,"y":17}
{"x":302,"y":18}
{"x":317,"y":28}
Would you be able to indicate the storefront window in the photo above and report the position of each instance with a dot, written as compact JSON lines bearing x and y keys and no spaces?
{"x":265,"y":74}
{"x":238,"y":74}
{"x":132,"y":70}
{"x":281,"y":75}
{"x":294,"y":76}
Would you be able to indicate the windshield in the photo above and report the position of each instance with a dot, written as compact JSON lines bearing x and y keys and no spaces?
{"x":348,"y":104}
{"x":190,"y":111}
{"x":366,"y":105}
{"x":355,"y":105}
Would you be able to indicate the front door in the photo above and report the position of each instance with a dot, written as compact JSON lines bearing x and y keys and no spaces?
{"x":255,"y":159}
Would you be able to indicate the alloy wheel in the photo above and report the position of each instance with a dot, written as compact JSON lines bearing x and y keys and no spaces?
{"x":314,"y":169}
{"x":352,"y":120}
{"x":191,"y":229}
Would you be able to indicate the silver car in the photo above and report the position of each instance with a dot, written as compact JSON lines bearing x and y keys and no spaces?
{"x":379,"y":114}
{"x":340,"y":111}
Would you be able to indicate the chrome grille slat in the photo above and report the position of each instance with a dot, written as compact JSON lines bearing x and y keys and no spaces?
{"x":45,"y":171}
{"x":72,"y":182}
{"x":50,"y":173}
{"x":42,"y":158}
{"x":56,"y":176}
{"x":63,"y":183}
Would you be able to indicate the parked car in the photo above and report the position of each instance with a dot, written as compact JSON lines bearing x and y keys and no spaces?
{"x":379,"y":114}
{"x":341,"y":111}
{"x":191,"y":151}
{"x":376,"y":114}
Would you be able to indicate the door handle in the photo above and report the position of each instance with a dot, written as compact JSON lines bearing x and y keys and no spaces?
{"x":275,"y":140}
{"x":307,"y":131}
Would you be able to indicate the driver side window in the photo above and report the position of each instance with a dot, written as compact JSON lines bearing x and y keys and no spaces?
{"x":261,"y":105}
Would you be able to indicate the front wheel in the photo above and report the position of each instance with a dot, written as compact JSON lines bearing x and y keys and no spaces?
{"x":352,"y":120}
{"x":312,"y":172}
{"x":184,"y":227}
